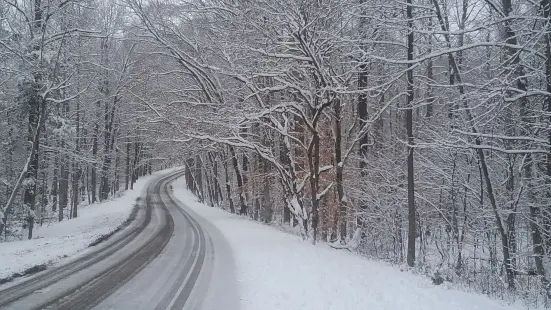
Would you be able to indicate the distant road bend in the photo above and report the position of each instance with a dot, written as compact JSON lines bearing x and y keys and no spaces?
{"x":163,"y":260}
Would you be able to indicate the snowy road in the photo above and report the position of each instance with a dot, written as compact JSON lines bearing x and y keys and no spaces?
{"x":163,"y":260}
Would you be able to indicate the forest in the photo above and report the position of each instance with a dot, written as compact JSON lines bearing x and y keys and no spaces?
{"x":416,"y":132}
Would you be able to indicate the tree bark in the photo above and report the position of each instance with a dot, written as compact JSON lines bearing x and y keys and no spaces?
{"x":412,"y":224}
{"x":343,"y":204}
{"x":240,"y":190}
{"x":95,"y":138}
{"x":135,"y":164}
{"x":198,"y":176}
{"x":29,"y":198}
{"x":363,"y":75}
{"x":77,"y":170}
{"x":286,"y":162}
{"x":313,"y":161}
{"x":9,"y":173}
{"x":228,"y":186}
{"x":127,"y":172}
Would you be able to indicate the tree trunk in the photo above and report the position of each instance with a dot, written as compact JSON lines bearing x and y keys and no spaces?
{"x":95,"y":138}
{"x":240,"y":190}
{"x":504,"y":237}
{"x":343,"y":204}
{"x":208,"y":181}
{"x":245,"y":177}
{"x":546,"y":212}
{"x":9,"y":173}
{"x":55,"y":184}
{"x":63,"y":186}
{"x":430,"y":77}
{"x":32,"y":159}
{"x":267,"y":206}
{"x":198,"y":176}
{"x":363,"y":75}
{"x":286,"y":162}
{"x":29,"y":197}
{"x":228,"y":187}
{"x":127,"y":172}
{"x":34,"y":126}
{"x":135,"y":165}
{"x":409,"y":127}
{"x":106,"y":163}
{"x":217,"y":191}
{"x":190,"y":183}
{"x":117,"y":181}
{"x":77,"y":170}
{"x":313,"y":161}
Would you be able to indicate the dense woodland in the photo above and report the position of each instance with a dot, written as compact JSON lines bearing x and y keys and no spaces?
{"x":414,"y":131}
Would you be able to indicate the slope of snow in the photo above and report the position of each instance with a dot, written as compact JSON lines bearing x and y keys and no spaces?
{"x":276,"y":270}
{"x":67,"y":238}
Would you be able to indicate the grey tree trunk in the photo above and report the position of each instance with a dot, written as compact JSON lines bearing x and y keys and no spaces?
{"x":9,"y":173}
{"x":95,"y":138}
{"x":29,"y":198}
{"x":313,"y":162}
{"x":135,"y":164}
{"x":240,"y":190}
{"x":63,"y":186}
{"x":362,"y":113}
{"x":198,"y":175}
{"x":286,"y":162}
{"x":409,"y":128}
{"x":55,"y":184}
{"x":34,"y":101}
{"x":77,"y":170}
{"x":127,"y":170}
{"x":228,"y":186}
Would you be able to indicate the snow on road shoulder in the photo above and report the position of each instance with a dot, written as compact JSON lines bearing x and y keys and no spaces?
{"x":276,"y":270}
{"x":67,"y":238}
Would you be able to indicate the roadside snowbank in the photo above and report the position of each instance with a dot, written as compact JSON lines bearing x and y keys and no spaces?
{"x":69,"y":237}
{"x":276,"y":270}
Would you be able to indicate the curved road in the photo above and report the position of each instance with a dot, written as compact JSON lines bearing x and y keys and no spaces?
{"x":163,"y":260}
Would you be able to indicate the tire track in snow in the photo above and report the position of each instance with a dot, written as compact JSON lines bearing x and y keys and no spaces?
{"x":157,"y":225}
{"x":54,"y":275}
{"x":89,"y":294}
{"x":180,"y":291}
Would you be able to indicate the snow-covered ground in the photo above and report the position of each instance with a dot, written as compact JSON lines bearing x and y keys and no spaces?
{"x":276,"y":270}
{"x":59,"y":240}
